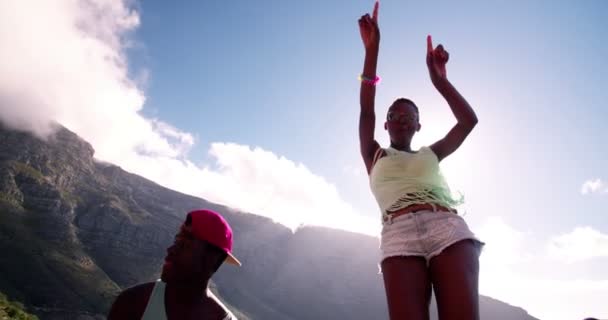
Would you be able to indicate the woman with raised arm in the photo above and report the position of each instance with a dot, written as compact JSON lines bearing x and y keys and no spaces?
{"x":424,"y":242}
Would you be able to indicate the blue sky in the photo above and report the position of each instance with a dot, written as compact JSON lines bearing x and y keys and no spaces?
{"x":255,"y":105}
{"x":281,"y":76}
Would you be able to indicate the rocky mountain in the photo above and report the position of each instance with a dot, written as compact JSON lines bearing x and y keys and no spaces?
{"x":74,"y":231}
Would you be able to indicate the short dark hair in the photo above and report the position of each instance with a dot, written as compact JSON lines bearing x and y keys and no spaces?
{"x":408,"y":101}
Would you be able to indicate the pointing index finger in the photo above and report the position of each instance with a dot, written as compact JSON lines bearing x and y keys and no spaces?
{"x":429,"y":44}
{"x":375,"y":13}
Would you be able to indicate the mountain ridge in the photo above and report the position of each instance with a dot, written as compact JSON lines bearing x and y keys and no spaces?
{"x":70,"y":218}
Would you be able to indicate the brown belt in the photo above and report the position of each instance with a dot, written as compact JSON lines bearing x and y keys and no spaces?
{"x":416,"y":208}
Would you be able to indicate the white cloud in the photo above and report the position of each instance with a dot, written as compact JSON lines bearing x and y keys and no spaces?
{"x":548,"y":298}
{"x":258,"y":181}
{"x":583,"y":243}
{"x":594,"y":186}
{"x":283,"y":190}
{"x":504,"y":244}
{"x":65,"y":61}
{"x":356,"y":171}
{"x":506,"y":274}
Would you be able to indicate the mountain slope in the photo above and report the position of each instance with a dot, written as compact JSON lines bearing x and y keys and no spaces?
{"x":75,"y":231}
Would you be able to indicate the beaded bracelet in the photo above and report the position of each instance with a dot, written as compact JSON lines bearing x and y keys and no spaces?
{"x":370,"y":81}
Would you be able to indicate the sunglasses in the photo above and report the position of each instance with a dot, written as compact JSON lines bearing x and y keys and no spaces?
{"x":400,"y":117}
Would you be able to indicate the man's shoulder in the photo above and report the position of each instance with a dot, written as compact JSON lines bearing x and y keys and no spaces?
{"x":230,"y":316}
{"x":131,"y":302}
{"x":139,"y":291}
{"x":221,"y":307}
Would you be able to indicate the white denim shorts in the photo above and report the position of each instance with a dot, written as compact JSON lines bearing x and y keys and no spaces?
{"x":423,"y":234}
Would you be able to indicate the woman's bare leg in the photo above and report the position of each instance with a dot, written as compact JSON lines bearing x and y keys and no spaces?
{"x":408,"y":288}
{"x":455,"y":277}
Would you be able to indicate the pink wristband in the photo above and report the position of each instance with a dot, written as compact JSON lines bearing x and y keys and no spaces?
{"x":370,"y":81}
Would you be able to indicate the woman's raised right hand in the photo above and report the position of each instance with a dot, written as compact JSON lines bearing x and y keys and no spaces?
{"x":368,"y":27}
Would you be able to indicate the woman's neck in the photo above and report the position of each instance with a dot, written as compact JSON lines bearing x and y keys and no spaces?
{"x":401,"y":147}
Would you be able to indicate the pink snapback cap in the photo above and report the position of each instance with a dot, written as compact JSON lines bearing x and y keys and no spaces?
{"x":210,"y":226}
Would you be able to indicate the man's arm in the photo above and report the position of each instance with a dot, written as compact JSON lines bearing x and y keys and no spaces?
{"x":131,"y":303}
{"x":122,"y":306}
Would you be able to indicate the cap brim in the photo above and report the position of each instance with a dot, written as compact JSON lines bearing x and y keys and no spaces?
{"x":232,"y":260}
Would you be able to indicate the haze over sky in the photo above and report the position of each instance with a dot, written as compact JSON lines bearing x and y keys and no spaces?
{"x":254,"y":104}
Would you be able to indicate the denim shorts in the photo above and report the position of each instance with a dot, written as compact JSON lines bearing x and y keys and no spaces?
{"x":424,"y":234}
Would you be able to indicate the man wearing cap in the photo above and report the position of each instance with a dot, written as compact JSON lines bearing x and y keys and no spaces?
{"x":203,"y":243}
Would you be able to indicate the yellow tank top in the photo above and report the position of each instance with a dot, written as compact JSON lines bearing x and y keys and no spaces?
{"x":400,"y":179}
